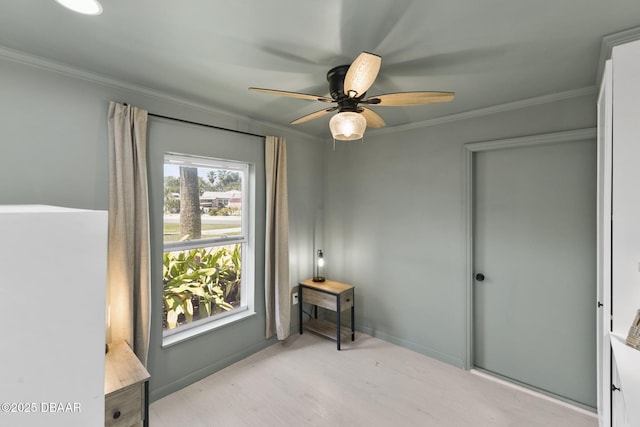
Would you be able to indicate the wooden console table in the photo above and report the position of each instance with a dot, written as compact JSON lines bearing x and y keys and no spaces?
{"x":126,"y":388}
{"x":330,"y":295}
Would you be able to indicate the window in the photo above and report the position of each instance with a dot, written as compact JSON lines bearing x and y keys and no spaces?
{"x":207,"y":249}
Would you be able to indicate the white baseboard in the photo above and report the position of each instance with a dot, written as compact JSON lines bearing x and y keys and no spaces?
{"x":534,"y":393}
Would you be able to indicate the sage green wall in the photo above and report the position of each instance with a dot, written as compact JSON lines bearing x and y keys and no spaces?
{"x":53,"y":150}
{"x":391,"y":207}
{"x":394,"y":222}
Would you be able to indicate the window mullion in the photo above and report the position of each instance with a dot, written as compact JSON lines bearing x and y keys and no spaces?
{"x":201,"y":243}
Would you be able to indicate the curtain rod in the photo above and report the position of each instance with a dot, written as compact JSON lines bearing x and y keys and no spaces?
{"x":205,"y":125}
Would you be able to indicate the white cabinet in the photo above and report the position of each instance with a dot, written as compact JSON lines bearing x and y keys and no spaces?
{"x":52,"y":293}
{"x":626,"y":383}
{"x":618,"y":235}
{"x":618,"y":409}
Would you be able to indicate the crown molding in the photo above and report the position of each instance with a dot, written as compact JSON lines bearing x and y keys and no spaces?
{"x":607,"y":45}
{"x":249,"y":125}
{"x":500,"y":108}
{"x":241,"y":123}
{"x":609,"y":42}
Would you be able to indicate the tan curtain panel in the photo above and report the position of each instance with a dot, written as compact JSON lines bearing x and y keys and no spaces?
{"x":128,"y":268}
{"x":277,"y":300}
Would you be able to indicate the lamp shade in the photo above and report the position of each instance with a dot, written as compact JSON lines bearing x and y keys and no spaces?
{"x":347,"y":126}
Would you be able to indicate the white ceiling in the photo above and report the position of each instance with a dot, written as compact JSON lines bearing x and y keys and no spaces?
{"x":209,"y":52}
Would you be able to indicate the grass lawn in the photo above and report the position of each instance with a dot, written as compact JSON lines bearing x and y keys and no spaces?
{"x":172,"y":231}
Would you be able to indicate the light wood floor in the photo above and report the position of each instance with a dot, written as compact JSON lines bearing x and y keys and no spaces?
{"x":306,"y":382}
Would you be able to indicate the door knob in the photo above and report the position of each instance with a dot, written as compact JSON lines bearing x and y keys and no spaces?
{"x":479,"y":277}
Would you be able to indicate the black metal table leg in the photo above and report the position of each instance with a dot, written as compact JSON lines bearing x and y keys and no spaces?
{"x":300,"y":308}
{"x":338,"y":321}
{"x":146,"y":404}
{"x":353,"y":322}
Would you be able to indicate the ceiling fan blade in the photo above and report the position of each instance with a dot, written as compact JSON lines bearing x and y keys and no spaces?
{"x":401,"y":99}
{"x":373,"y":119}
{"x":314,"y":115}
{"x":292,"y":94}
{"x":361,"y":74}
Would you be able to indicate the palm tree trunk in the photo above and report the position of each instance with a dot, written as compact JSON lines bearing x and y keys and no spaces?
{"x":190,"y":224}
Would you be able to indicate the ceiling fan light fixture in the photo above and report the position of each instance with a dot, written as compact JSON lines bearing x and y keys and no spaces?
{"x":361,"y":74}
{"x":85,"y":7}
{"x":347,"y":126}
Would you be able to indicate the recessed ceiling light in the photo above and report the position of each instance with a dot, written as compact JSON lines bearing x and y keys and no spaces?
{"x":86,"y":7}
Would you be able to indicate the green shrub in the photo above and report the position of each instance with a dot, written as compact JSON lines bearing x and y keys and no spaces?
{"x":200,"y":282}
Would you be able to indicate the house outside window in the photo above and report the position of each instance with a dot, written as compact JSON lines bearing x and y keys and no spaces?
{"x":207,"y":247}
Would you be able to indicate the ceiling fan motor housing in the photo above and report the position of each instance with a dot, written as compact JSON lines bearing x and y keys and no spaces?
{"x":335,"y":77}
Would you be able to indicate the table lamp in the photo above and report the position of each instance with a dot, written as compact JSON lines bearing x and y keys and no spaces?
{"x":319,"y":264}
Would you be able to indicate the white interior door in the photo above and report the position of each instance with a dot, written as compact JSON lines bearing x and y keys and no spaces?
{"x":535,"y":245}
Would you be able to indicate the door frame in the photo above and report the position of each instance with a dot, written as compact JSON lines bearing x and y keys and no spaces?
{"x":469,"y":150}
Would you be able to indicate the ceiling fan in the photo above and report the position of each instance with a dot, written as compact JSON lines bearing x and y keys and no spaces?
{"x":348,"y":85}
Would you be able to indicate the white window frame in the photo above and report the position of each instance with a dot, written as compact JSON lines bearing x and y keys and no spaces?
{"x":246,"y":239}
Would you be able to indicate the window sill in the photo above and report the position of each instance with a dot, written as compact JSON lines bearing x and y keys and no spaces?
{"x":178,"y":337}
